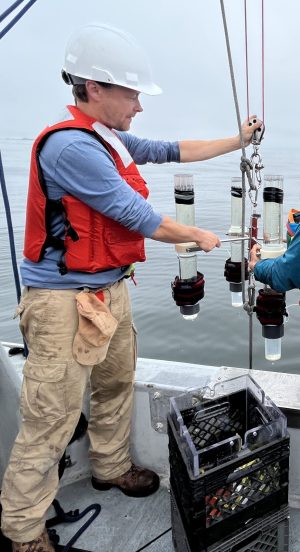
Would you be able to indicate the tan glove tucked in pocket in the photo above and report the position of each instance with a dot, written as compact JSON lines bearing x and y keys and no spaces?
{"x":95,"y":329}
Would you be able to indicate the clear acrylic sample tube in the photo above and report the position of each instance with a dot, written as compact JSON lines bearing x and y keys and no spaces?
{"x":273,"y":349}
{"x":184,"y":199}
{"x":235,"y":230}
{"x":273,"y":246}
{"x":272,"y":219}
{"x":185,"y":214}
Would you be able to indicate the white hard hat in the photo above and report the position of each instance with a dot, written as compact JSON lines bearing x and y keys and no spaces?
{"x":105,"y":54}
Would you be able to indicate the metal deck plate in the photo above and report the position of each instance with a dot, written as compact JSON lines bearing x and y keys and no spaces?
{"x":128,"y":524}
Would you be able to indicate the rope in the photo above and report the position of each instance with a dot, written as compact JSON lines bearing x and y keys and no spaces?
{"x":246,"y":165}
{"x":10,"y":9}
{"x":10,"y":231}
{"x":244,"y":160}
{"x":245,"y":168}
{"x":16,"y":18}
{"x":71,"y":517}
{"x":232,"y":78}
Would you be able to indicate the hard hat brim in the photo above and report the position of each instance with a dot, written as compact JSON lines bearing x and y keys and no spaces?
{"x":151,"y":90}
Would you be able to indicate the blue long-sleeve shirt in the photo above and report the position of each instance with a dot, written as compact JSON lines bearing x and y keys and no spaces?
{"x":281,"y":273}
{"x":75,"y":163}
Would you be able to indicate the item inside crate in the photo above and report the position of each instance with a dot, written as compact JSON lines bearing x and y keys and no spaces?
{"x":225,"y":421}
{"x":244,"y":492}
{"x":269,"y":533}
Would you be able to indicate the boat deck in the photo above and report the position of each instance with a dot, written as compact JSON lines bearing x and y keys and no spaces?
{"x":124,"y":524}
{"x":130,"y":524}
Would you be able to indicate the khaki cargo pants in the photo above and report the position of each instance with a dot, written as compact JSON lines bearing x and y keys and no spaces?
{"x":51,"y":402}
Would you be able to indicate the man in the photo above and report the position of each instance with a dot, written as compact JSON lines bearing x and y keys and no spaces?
{"x":282,"y":273}
{"x":87,"y":217}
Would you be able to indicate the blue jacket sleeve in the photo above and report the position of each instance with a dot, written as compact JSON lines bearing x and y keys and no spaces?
{"x":282,"y":273}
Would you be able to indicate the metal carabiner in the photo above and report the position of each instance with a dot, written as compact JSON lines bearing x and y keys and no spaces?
{"x":257,"y":165}
{"x":253,"y":201}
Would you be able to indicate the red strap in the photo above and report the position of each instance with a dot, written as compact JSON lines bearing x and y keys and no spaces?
{"x":133,"y":278}
{"x":100,"y":295}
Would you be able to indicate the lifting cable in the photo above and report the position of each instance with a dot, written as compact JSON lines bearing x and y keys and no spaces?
{"x":17,"y":17}
{"x":246,"y":165}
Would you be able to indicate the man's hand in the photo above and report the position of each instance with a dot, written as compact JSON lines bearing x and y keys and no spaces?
{"x":247,"y":130}
{"x":208,"y":241}
{"x":170,"y":231}
{"x":254,"y":256}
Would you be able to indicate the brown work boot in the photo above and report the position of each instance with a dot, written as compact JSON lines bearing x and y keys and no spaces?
{"x":136,"y":482}
{"x":40,"y":544}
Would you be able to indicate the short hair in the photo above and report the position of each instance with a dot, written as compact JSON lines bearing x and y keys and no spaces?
{"x":79,"y":90}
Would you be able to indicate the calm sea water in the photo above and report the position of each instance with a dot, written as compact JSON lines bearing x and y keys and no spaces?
{"x":219,"y":336}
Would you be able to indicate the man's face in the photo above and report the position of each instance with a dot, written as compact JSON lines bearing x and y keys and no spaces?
{"x":119,"y":106}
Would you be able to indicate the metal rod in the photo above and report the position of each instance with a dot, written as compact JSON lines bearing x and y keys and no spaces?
{"x":226,"y":240}
{"x":234,"y":239}
{"x":250,"y":340}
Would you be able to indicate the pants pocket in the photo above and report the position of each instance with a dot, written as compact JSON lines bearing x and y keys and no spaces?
{"x":43,"y":391}
{"x":20,"y":309}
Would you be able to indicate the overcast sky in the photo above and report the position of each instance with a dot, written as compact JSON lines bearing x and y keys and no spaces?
{"x":186,"y":47}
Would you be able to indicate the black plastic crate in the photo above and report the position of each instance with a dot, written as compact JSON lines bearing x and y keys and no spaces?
{"x":224,"y":421}
{"x":229,"y":459}
{"x":268,"y":534}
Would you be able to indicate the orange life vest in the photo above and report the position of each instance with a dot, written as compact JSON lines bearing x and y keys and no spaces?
{"x":93,"y":242}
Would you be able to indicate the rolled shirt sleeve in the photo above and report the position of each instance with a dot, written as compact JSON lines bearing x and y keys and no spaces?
{"x":144,"y":151}
{"x":84,"y":169}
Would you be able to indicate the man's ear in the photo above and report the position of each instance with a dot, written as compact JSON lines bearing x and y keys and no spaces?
{"x":94,"y":91}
